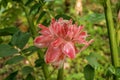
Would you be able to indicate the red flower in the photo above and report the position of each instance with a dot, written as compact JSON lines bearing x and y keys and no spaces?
{"x":60,"y":38}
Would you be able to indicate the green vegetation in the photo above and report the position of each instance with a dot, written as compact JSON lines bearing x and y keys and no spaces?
{"x":21,"y":60}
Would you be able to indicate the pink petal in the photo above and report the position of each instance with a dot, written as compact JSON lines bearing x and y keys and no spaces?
{"x":57,"y":42}
{"x":81,"y":38}
{"x":41,"y":45}
{"x":86,"y":45}
{"x":78,"y":30}
{"x":83,"y":34}
{"x":45,"y":30}
{"x":44,"y":38}
{"x":59,"y":63}
{"x":60,"y":20}
{"x":52,"y":21}
{"x":54,"y":28}
{"x":69,"y":50}
{"x":42,"y":41}
{"x":42,"y":26}
{"x":71,"y":32}
{"x":52,"y":54}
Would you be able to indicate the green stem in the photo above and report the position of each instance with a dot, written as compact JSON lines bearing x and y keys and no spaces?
{"x":34,"y":34}
{"x":44,"y":66}
{"x":111,"y":33}
{"x":60,"y":74}
{"x":33,"y":30}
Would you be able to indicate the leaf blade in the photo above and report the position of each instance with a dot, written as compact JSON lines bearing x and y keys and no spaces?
{"x":6,"y":50}
{"x":89,"y":72}
{"x":20,"y":39}
{"x":14,"y":60}
{"x":27,"y":70}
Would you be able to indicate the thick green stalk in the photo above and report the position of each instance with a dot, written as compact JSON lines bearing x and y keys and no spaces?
{"x":60,"y":74}
{"x":34,"y":34}
{"x":111,"y":33}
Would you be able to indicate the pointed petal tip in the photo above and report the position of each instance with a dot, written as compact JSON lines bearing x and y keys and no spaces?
{"x":69,"y":50}
{"x":39,"y":44}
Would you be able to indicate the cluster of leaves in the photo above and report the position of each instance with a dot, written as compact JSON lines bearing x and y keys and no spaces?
{"x":16,"y":52}
{"x":16,"y":44}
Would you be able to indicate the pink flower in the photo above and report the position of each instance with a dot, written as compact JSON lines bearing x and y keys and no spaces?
{"x":60,"y":39}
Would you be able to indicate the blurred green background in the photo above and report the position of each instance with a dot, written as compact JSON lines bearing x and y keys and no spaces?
{"x":14,"y":15}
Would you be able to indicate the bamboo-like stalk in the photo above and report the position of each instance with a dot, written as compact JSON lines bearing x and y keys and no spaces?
{"x":34,"y":34}
{"x":111,"y":33}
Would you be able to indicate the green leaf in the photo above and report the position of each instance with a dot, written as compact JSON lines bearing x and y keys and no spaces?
{"x":117,"y":72}
{"x":12,"y":76}
{"x":27,"y":70}
{"x":28,"y":2}
{"x":8,"y":31}
{"x":4,"y":3}
{"x":1,"y":40}
{"x":110,"y":71}
{"x":118,"y":6}
{"x":30,"y":77}
{"x":30,"y":50}
{"x":35,"y":8}
{"x":6,"y":50}
{"x":75,"y":76}
{"x":19,"y":1}
{"x":0,"y":6}
{"x":92,"y":60}
{"x":20,"y":39}
{"x":40,"y":16}
{"x":15,"y":59}
{"x":89,"y":72}
{"x":46,"y":22}
{"x":95,"y":17}
{"x":39,"y":62}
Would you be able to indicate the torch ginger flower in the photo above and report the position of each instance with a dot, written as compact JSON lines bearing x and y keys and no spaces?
{"x":60,"y":39}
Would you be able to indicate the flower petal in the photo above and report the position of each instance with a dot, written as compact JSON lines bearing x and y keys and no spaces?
{"x":59,"y":62}
{"x":41,"y":45}
{"x":69,"y":50}
{"x":42,"y":26}
{"x":42,"y":41}
{"x":52,"y":54}
{"x":57,"y":42}
{"x":77,"y":31}
{"x":45,"y":31}
{"x":86,"y":45}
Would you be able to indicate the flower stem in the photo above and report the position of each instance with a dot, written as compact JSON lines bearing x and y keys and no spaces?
{"x":60,"y":74}
{"x":34,"y":34}
{"x":44,"y":66}
{"x":111,"y":33}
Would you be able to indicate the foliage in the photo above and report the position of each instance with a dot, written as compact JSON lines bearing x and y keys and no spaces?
{"x":21,"y":60}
